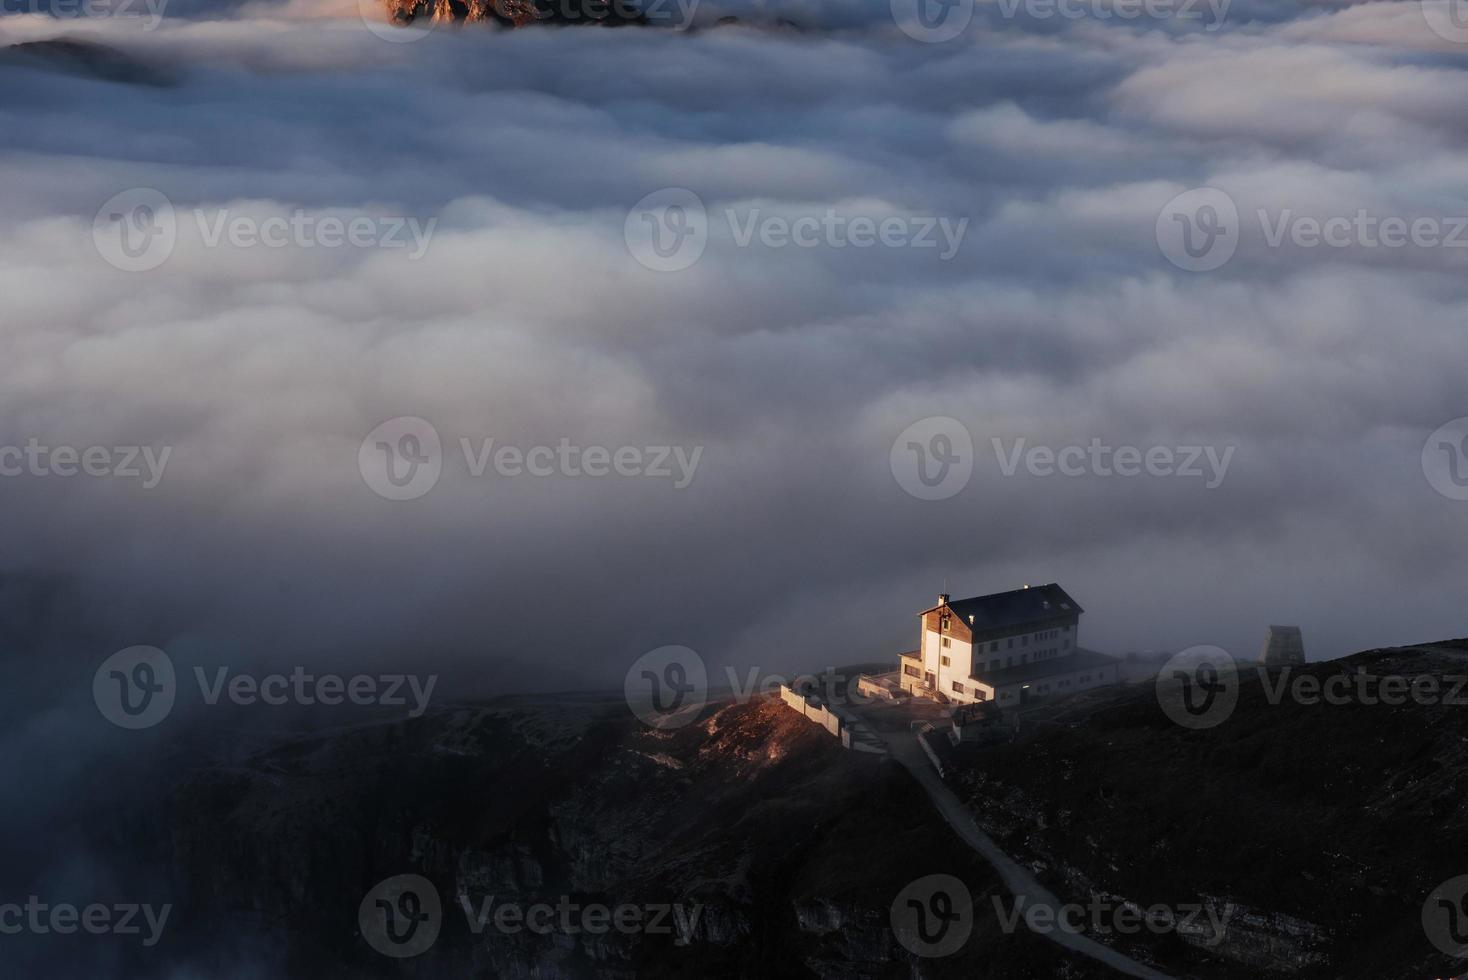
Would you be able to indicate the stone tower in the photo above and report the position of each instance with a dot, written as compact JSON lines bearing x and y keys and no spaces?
{"x":1284,"y":645}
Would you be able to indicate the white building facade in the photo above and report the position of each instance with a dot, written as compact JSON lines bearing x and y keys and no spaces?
{"x":1010,"y":647}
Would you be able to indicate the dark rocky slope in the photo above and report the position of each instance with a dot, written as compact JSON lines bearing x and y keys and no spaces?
{"x":793,"y":847}
{"x":1326,"y":826}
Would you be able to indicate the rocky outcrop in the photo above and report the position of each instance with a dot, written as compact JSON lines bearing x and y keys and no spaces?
{"x":790,"y":848}
{"x":516,"y":13}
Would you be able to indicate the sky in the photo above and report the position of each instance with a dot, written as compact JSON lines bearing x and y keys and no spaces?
{"x":1031,"y":288}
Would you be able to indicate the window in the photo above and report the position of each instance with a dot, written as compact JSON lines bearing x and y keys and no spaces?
{"x":1010,"y":645}
{"x":994,"y":647}
{"x":1024,"y":658}
{"x":947,"y":641}
{"x":946,"y":662}
{"x":1024,"y":641}
{"x":911,"y":671}
{"x":957,"y":687}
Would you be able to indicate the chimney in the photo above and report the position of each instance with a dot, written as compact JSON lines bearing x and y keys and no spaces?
{"x":971,"y":619}
{"x":942,"y":598}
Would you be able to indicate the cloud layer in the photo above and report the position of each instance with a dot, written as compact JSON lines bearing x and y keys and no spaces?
{"x":529,"y":321}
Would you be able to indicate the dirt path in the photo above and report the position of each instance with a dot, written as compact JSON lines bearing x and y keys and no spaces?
{"x":1021,"y":883}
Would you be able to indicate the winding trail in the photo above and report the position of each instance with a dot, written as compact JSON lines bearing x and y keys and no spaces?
{"x":1021,"y":883}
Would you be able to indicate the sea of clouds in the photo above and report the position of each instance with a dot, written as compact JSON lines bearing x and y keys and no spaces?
{"x":527,"y":319}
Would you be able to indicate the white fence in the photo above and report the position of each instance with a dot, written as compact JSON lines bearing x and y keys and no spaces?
{"x":817,"y":713}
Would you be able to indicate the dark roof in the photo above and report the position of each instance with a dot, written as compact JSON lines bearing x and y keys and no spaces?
{"x":1006,"y":611}
{"x":1082,"y":659}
